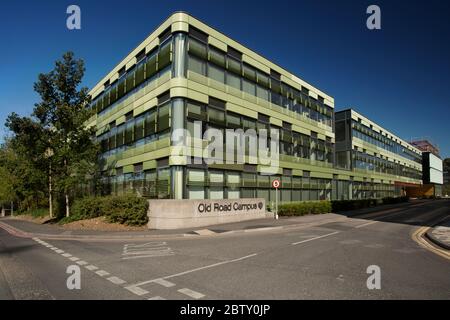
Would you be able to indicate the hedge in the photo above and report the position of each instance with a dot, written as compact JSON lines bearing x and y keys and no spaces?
{"x":127,"y":209}
{"x":303,"y":208}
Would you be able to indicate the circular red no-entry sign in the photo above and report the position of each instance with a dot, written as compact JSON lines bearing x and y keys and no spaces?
{"x":276,"y":183}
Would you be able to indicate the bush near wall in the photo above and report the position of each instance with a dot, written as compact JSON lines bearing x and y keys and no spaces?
{"x":127,"y":209}
{"x":341,"y":205}
{"x":303,"y":208}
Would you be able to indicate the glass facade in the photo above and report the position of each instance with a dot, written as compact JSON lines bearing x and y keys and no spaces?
{"x":316,"y":162}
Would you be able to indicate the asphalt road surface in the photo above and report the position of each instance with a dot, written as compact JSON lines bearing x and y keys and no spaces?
{"x":327,"y":261}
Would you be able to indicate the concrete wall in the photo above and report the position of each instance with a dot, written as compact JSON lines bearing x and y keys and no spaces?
{"x":178,"y":214}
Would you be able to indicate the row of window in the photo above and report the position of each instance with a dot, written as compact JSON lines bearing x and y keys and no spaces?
{"x":154,"y":184}
{"x":368,"y":162}
{"x":291,"y":143}
{"x":218,"y":184}
{"x":219,"y":66}
{"x":155,"y":124}
{"x":150,"y":67}
{"x":369,"y":135}
{"x":149,"y":126}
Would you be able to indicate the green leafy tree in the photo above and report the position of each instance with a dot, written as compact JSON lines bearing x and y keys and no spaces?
{"x":56,"y":136}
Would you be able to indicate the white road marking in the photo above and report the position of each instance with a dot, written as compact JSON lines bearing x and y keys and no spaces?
{"x":315,"y":238}
{"x":196,"y":269}
{"x":366,"y":224}
{"x":149,"y":256}
{"x":146,"y":250}
{"x":191,"y":293}
{"x":116,"y":280}
{"x":91,"y":267}
{"x":136,"y":290}
{"x":102,"y":273}
{"x":156,"y":298}
{"x":164,"y":283}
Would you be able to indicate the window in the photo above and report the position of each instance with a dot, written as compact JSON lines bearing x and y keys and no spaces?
{"x":217,"y":57}
{"x":150,"y":123}
{"x":165,"y":55}
{"x":113,"y":94}
{"x":163,"y":183}
{"x":163,"y":117}
{"x":139,"y":78}
{"x":197,"y":48}
{"x":262,"y":93}
{"x":150,"y":65}
{"x":216,"y":73}
{"x":233,"y":120}
{"x":196,"y":65}
{"x":216,"y":116}
{"x":112,"y":138}
{"x":248,"y":87}
{"x":129,"y":81}
{"x":129,"y":132}
{"x":121,"y":88}
{"x":195,"y":111}
{"x":263,"y":80}
{"x":139,"y":128}
{"x":234,"y":81}
{"x":249,"y":73}
{"x":120,"y":135}
{"x":234,"y":66}
{"x":105,"y":99}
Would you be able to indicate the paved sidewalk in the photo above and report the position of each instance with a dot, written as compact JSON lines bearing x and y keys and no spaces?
{"x":440,"y":234}
{"x":25,"y":228}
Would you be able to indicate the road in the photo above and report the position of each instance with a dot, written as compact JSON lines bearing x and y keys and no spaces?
{"x":327,"y":261}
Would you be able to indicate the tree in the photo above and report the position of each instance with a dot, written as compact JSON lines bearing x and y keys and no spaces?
{"x":58,"y":127}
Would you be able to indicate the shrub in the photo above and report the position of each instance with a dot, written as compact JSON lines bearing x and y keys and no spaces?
{"x":88,"y":207}
{"x":127,"y":209}
{"x":303,"y":208}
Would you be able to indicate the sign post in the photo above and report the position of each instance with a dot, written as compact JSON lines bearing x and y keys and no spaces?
{"x":276,"y":184}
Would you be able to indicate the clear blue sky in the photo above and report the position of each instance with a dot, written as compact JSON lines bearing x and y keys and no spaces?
{"x":398,"y":76}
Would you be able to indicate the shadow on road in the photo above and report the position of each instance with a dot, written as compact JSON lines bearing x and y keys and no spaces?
{"x":426,"y":213}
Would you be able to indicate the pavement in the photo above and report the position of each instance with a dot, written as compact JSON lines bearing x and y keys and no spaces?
{"x":440,"y":234}
{"x":313,"y":257}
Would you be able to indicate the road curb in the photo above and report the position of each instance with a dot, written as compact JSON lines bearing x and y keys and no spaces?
{"x":436,"y":241}
{"x":20,"y":233}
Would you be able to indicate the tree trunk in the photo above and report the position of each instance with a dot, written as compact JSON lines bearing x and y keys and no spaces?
{"x":67,"y":205}
{"x":65,"y":192}
{"x":12,"y":208}
{"x":50,"y":204}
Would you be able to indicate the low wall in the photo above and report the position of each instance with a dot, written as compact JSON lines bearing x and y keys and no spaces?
{"x":178,"y":214}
